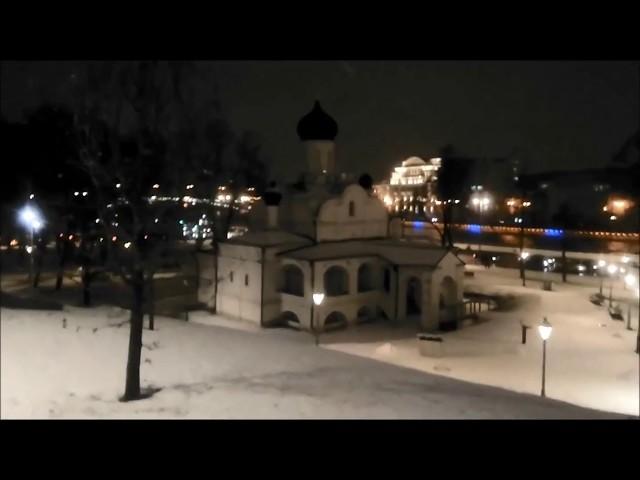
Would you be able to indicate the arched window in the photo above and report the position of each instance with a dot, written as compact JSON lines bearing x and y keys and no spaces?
{"x":334,"y":320}
{"x":292,"y":281}
{"x":365,"y":278}
{"x":336,"y":281}
{"x":365,"y":315}
{"x":352,"y":209}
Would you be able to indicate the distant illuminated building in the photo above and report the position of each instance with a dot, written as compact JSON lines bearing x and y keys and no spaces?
{"x":412,"y":187}
{"x":617,"y":206}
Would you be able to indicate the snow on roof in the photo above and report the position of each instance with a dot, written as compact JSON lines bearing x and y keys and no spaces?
{"x":397,"y":252}
{"x":267,"y":238}
{"x":413,"y":162}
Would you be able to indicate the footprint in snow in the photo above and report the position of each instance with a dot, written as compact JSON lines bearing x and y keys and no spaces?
{"x":441,"y":368}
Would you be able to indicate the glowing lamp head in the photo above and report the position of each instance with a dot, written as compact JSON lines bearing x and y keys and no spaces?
{"x":601,"y":263}
{"x":630,"y":280}
{"x":544,"y":329}
{"x":612,"y":269}
{"x":318,"y":298}
{"x":31,"y":218}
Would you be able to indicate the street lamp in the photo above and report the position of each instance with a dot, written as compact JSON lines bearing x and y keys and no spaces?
{"x":317,"y":300}
{"x":612,"y":269}
{"x":31,"y":218}
{"x":544,"y":329}
{"x":629,"y":280}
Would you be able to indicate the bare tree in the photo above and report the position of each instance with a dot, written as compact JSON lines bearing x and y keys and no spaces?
{"x":140,"y":124}
{"x":123,"y":122}
{"x":525,"y":185}
{"x":452,"y":179}
{"x":565,"y":218}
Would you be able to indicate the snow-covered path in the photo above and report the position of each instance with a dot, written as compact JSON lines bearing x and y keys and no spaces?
{"x":77,"y":371}
{"x":590,"y":357}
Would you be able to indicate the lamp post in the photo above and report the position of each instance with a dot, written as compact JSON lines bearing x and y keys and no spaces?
{"x":612,"y":269}
{"x":630,"y":281}
{"x":523,"y":258}
{"x":601,"y":264}
{"x":544,"y":329}
{"x":317,"y":300}
{"x":31,"y":218}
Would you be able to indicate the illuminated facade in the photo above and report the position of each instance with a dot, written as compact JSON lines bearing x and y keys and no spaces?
{"x":412,"y":187}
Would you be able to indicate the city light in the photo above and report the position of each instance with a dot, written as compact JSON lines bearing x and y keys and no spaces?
{"x":127,"y":245}
{"x":524,"y":255}
{"x":31,"y":218}
{"x":629,"y":280}
{"x":155,"y":185}
{"x":612,"y":269}
{"x":602,"y":263}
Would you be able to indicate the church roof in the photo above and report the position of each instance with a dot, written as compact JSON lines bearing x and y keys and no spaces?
{"x":267,"y":238}
{"x":397,"y":252}
{"x":413,"y":162}
{"x":317,"y":125}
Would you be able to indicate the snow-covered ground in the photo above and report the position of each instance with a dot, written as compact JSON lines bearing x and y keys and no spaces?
{"x":590,"y":357}
{"x":75,"y":369}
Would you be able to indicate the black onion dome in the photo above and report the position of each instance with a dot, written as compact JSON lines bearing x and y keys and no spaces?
{"x":317,"y":125}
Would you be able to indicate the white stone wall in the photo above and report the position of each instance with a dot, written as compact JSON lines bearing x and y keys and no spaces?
{"x":235,"y":299}
{"x":370,"y":218}
{"x":348,"y":304}
{"x":300,"y":306}
{"x":207,"y":278}
{"x":321,"y":156}
{"x":449,"y":266}
{"x":272,"y":303}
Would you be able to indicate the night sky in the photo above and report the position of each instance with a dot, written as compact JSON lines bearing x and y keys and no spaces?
{"x":555,"y":114}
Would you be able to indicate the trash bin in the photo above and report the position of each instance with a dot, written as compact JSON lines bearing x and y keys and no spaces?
{"x":547,"y":285}
{"x":430,"y":346}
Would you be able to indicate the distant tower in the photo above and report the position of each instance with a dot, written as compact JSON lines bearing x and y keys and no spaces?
{"x":318,"y":131}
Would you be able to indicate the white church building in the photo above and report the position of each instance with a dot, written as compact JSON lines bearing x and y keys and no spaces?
{"x":323,"y":236}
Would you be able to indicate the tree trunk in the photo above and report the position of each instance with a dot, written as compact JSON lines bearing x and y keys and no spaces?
{"x":132,"y":386}
{"x":564,"y":260}
{"x":447,"y":238}
{"x":86,"y":286}
{"x":63,"y":252}
{"x":152,"y":305}
{"x":215,"y":277}
{"x":522,"y":260}
{"x":85,"y":263}
{"x":39,"y":253}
